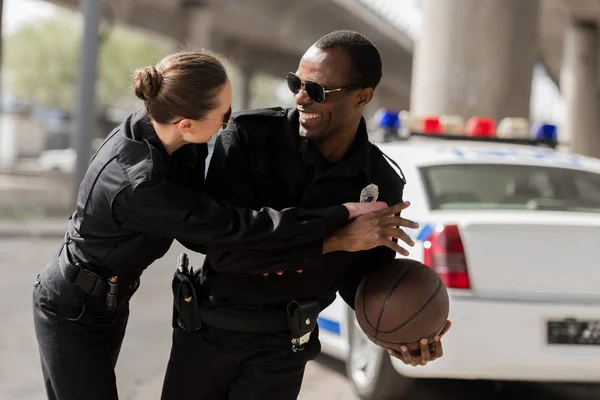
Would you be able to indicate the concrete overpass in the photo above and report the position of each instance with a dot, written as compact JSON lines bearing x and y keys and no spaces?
{"x":269,"y":36}
{"x":472,"y":57}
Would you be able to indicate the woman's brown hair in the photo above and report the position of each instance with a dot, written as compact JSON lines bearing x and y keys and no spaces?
{"x":183,"y":84}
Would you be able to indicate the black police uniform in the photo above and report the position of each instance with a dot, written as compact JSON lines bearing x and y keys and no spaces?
{"x":133,"y":201}
{"x":243,"y":349}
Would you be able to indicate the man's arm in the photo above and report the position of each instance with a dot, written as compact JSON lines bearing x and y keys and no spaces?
{"x":354,"y":274}
{"x":392,"y":189}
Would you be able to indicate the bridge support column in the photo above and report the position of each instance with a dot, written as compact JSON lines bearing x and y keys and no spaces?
{"x":578,"y":81}
{"x":475,"y":58}
{"x":244,"y":95}
{"x":196,"y":29}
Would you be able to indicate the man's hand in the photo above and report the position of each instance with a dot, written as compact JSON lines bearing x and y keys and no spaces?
{"x":377,"y":228}
{"x":426,"y":355}
{"x":281,"y":272}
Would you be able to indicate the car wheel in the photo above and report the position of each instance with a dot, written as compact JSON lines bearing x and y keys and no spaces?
{"x":370,"y":369}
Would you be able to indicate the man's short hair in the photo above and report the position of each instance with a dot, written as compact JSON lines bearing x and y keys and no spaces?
{"x":365,"y":61}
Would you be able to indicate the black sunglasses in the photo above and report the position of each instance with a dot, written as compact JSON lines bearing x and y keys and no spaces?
{"x":314,"y":90}
{"x":224,"y":122}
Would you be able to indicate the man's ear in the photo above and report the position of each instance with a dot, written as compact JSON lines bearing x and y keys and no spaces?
{"x":364,"y":97}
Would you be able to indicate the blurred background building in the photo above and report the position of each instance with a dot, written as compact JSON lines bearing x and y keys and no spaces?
{"x":534,"y":59}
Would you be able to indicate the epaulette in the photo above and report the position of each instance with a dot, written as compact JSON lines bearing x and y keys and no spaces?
{"x":259,"y":112}
{"x":392,"y":163}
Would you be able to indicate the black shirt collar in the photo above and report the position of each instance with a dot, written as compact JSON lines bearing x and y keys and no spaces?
{"x":140,"y":129}
{"x":358,"y":161}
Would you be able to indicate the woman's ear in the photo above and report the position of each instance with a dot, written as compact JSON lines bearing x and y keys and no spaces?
{"x":185,"y":125}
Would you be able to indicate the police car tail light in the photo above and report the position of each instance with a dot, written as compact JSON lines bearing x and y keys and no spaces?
{"x":432,"y":125}
{"x":544,"y":132}
{"x":481,"y":126}
{"x":513,"y":128}
{"x":444,"y":253}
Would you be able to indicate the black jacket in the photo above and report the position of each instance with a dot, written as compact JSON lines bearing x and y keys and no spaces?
{"x":260,"y":160}
{"x":135,"y":199}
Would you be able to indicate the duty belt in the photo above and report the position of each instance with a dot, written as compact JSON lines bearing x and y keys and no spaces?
{"x":191,"y":311}
{"x":92,"y":283}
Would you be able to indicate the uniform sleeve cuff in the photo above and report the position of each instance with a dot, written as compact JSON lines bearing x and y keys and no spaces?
{"x":335,"y":217}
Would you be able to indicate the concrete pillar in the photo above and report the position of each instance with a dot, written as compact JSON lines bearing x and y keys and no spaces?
{"x":475,"y":57}
{"x":391,"y":99}
{"x":196,"y":29}
{"x":579,"y":85}
{"x":244,"y":89}
{"x":85,"y":115}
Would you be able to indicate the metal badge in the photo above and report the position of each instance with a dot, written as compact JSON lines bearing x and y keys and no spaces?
{"x":369,"y":193}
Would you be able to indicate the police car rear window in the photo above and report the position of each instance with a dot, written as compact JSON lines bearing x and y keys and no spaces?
{"x":511,"y":187}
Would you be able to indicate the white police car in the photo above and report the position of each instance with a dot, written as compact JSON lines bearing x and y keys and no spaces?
{"x":514,"y":232}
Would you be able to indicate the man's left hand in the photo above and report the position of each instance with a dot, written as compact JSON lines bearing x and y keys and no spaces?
{"x":426,"y":355}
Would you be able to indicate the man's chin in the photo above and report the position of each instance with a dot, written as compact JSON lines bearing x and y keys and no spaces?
{"x":307,"y":133}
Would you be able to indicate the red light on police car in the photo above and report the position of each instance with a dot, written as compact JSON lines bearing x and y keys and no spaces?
{"x":431,"y":125}
{"x":481,"y":126}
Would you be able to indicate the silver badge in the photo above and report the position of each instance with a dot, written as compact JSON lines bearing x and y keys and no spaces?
{"x":369,"y":193}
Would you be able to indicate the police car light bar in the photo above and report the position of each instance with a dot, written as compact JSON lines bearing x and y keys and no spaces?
{"x":525,"y":141}
{"x":477,"y":129}
{"x":481,"y":127}
{"x":542,"y":131}
{"x":432,"y":125}
{"x":513,"y":128}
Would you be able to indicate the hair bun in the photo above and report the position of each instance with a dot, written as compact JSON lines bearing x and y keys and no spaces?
{"x":147,"y":82}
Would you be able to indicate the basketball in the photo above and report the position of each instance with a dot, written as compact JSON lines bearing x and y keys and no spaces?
{"x":401,"y":302}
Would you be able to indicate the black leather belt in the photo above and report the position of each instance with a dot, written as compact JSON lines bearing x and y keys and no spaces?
{"x":297,"y":317}
{"x":234,"y":320}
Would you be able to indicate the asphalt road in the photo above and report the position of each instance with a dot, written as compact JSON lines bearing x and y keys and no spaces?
{"x":146,"y":347}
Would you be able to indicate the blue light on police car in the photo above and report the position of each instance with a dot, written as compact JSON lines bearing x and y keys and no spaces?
{"x":542,"y":131}
{"x":389,"y":120}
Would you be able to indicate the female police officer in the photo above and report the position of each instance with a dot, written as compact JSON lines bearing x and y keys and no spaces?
{"x":142,"y":189}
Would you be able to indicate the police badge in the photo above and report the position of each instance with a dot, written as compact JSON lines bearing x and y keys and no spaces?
{"x":369,"y":193}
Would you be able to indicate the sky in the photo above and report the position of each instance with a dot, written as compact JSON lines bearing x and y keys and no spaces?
{"x":16,"y":12}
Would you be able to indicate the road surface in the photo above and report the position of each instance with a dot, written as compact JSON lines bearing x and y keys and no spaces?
{"x":146,"y":347}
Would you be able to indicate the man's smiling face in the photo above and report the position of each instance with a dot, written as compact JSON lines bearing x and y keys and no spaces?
{"x":330,"y":68}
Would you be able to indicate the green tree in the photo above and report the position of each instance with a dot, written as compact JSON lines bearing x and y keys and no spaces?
{"x":123,"y":51}
{"x":42,"y":62}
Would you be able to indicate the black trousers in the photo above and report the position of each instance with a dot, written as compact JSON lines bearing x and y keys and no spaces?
{"x":215,"y":364}
{"x":79,"y":340}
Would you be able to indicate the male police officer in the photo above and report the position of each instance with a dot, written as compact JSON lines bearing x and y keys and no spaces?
{"x":257,"y":331}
